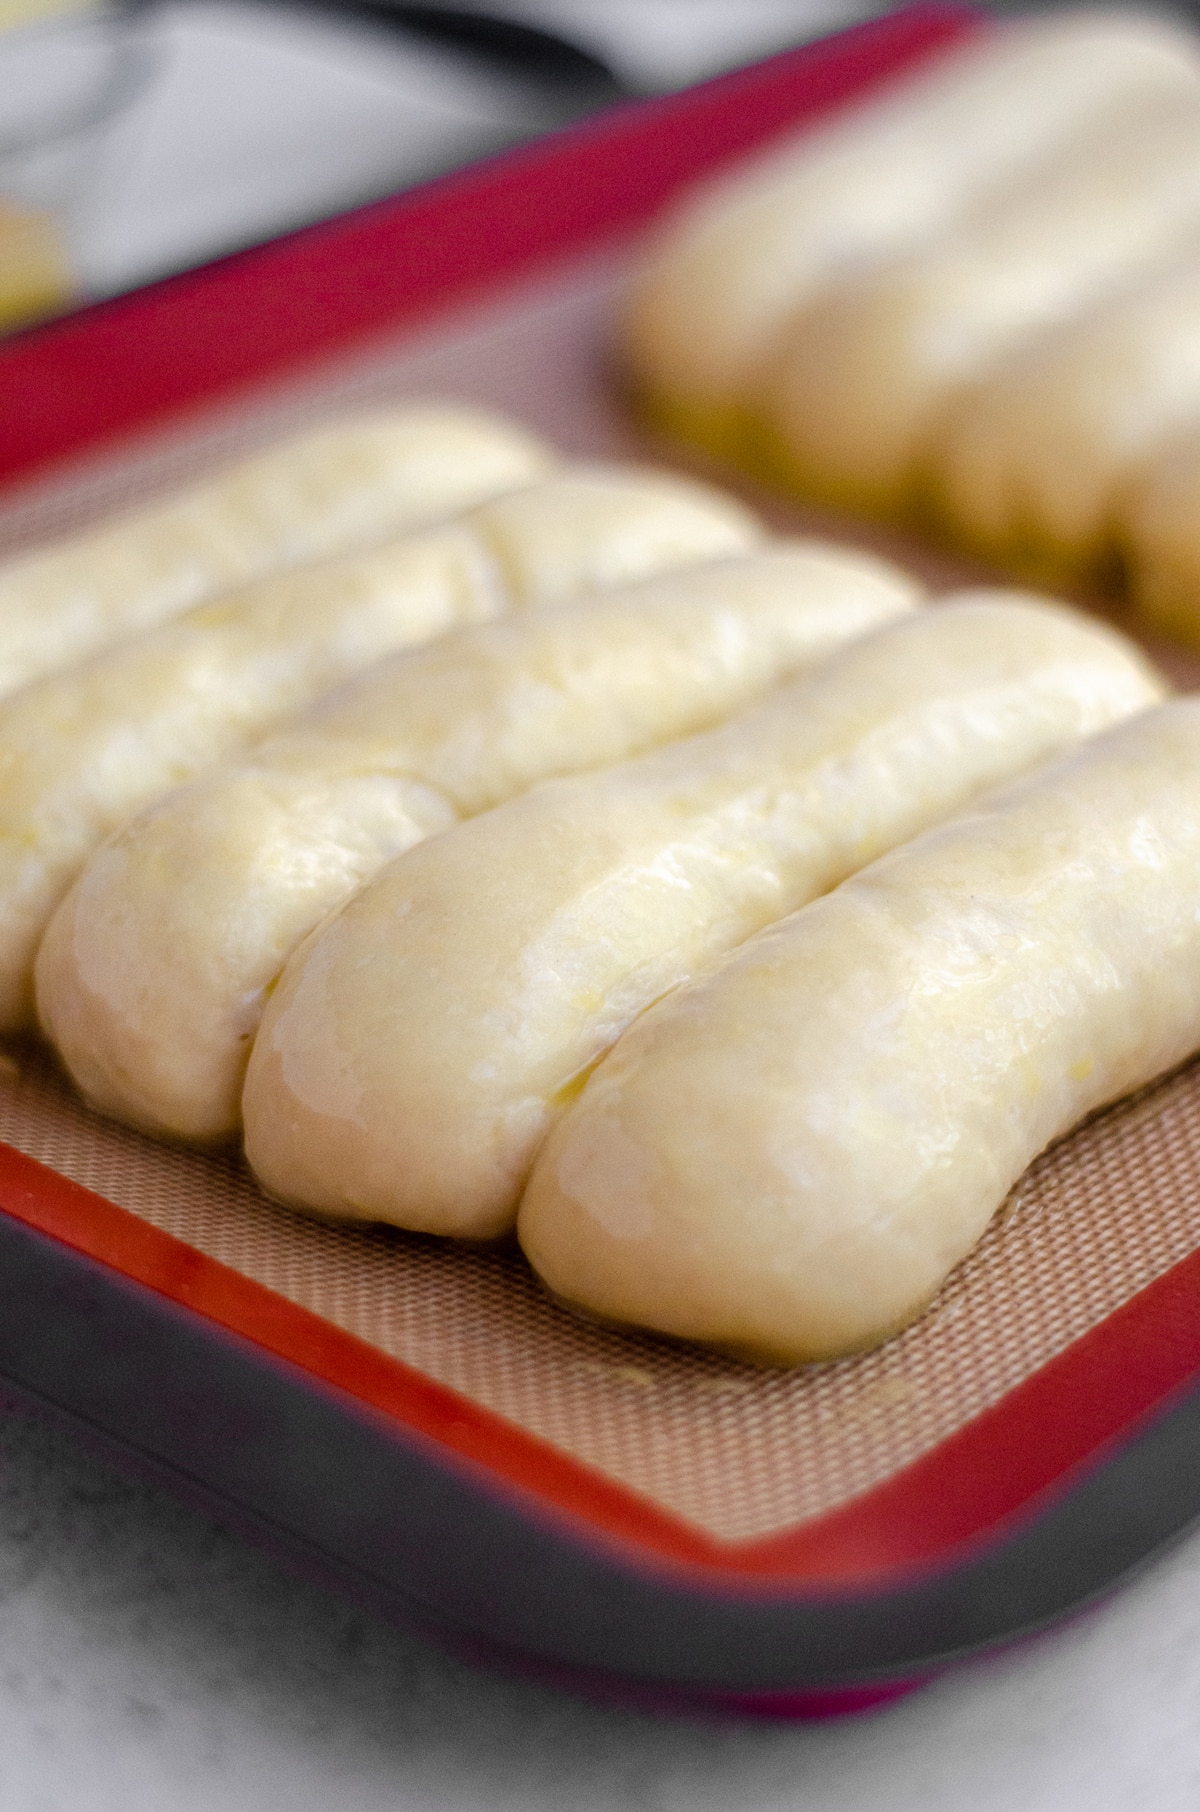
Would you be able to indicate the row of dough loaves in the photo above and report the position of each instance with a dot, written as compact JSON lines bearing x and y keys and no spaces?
{"x":465,"y":811}
{"x":419,"y":1047}
{"x":83,"y":748}
{"x":972,"y":303}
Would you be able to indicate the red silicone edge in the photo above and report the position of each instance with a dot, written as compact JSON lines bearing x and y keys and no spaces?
{"x":1087,"y":1398}
{"x":109,"y":371}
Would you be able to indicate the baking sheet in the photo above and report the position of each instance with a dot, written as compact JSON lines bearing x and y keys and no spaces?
{"x":737,"y":1453}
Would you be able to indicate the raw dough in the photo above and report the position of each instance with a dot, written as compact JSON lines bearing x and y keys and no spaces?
{"x":852,"y":390}
{"x":420,"y":1044}
{"x":326,"y":493}
{"x":733,"y":263}
{"x":1030,"y":465}
{"x":82,"y":750}
{"x":152,"y":975}
{"x":788,"y":1156}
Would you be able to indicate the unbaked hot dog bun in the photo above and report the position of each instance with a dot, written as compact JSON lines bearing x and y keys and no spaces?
{"x":324,"y":493}
{"x":420,"y":1044}
{"x":152,"y":974}
{"x":82,"y":750}
{"x":788,"y":1156}
{"x":1030,"y":465}
{"x":733,"y":264}
{"x":852,"y":390}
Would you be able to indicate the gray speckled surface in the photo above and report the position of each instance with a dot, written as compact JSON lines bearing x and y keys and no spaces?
{"x":150,"y":1662}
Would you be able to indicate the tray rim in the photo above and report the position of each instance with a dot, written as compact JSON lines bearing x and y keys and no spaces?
{"x":971,"y":1491}
{"x":153,"y":357}
{"x":366,"y":1502}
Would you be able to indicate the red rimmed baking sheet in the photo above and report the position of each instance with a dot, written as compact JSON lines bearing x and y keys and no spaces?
{"x":1077,"y":1319}
{"x":1068,"y":1324}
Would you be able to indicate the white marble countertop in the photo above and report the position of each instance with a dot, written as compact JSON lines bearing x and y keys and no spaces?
{"x":151,"y":1662}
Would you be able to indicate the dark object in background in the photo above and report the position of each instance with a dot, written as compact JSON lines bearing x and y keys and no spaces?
{"x":560,"y":68}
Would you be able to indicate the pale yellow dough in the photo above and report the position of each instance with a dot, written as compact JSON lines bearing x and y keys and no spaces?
{"x":152,"y":975}
{"x":1029,"y":465}
{"x":789,"y":1156}
{"x":421,"y":1042}
{"x":326,"y":493}
{"x":851,"y":390}
{"x":733,"y":263}
{"x":82,"y":750}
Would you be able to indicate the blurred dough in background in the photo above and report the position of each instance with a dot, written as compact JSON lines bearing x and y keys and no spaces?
{"x":851,"y":396}
{"x":736,"y":260}
{"x":1031,"y":464}
{"x":1006,"y":350}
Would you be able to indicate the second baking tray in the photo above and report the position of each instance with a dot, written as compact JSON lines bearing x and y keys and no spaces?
{"x":418,"y":1420}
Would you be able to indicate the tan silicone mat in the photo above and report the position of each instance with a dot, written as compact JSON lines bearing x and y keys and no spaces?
{"x":740,"y":1454}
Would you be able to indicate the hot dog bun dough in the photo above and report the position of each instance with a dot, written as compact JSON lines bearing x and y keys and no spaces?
{"x":152,"y":975}
{"x":922,"y":312}
{"x":852,"y":391}
{"x":788,"y":1156}
{"x":421,"y":1042}
{"x":1029,"y":466}
{"x":82,"y":750}
{"x":324,"y":493}
{"x":735,"y":262}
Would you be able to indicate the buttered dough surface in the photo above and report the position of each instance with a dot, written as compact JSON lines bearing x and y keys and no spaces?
{"x":788,"y":1157}
{"x":734,"y":264}
{"x":421,"y":1042}
{"x":322,"y":494}
{"x":152,"y":975}
{"x":82,"y":750}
